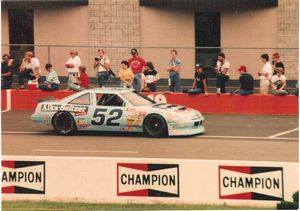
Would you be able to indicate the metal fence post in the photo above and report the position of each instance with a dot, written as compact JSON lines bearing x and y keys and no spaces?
{"x":48,"y":53}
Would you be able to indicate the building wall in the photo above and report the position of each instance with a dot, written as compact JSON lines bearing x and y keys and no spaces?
{"x":248,"y":29}
{"x":288,"y":36}
{"x":4,"y":31}
{"x":61,"y":26}
{"x":168,"y":29}
{"x":114,"y":25}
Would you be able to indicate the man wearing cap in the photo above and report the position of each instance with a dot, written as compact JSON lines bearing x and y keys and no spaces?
{"x":137,"y":65}
{"x":246,"y":80}
{"x":200,"y":81}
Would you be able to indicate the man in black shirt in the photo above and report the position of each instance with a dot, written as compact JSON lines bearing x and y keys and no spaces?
{"x":246,"y":81}
{"x":6,"y":72}
{"x":200,"y":81}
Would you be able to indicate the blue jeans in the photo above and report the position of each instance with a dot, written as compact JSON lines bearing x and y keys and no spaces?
{"x":6,"y":84}
{"x":25,"y":75}
{"x":102,"y":77}
{"x":221,"y":80}
{"x":243,"y":92}
{"x":137,"y":82}
{"x":152,"y":87}
{"x":282,"y":92}
{"x":175,"y":82}
{"x":53,"y":87}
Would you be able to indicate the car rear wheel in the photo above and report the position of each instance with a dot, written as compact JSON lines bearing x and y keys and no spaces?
{"x":155,"y":125}
{"x":64,"y":124}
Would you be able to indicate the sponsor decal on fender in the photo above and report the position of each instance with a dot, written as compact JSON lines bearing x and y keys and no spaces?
{"x":251,"y":183}
{"x":70,"y":108}
{"x":148,"y":180}
{"x":23,"y":177}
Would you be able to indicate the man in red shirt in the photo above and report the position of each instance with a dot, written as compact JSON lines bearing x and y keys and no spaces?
{"x":83,"y":80}
{"x":137,"y":65}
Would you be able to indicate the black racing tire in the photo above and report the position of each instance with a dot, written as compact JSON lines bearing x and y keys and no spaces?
{"x":63,"y":123}
{"x":155,"y":126}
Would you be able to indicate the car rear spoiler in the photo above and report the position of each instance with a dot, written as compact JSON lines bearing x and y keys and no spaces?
{"x":44,"y":99}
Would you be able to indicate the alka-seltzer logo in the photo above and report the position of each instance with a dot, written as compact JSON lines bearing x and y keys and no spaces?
{"x":70,"y":108}
{"x":23,"y":177}
{"x":251,"y":183}
{"x":155,"y":180}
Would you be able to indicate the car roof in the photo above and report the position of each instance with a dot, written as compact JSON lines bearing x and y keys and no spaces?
{"x":109,"y":90}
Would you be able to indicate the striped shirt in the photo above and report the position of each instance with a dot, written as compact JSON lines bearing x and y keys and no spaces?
{"x":52,"y":77}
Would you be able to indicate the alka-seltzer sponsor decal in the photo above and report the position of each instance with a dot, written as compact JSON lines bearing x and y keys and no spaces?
{"x":251,"y":183}
{"x":70,"y":108}
{"x":155,"y":180}
{"x":23,"y":177}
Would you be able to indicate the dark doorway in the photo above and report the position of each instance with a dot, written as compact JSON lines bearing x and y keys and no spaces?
{"x":20,"y":32}
{"x":208,"y":34}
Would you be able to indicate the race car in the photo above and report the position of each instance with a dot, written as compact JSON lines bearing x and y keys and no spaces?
{"x":117,"y":109}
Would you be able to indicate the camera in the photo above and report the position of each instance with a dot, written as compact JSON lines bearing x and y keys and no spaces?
{"x":97,"y":59}
{"x":110,"y":72}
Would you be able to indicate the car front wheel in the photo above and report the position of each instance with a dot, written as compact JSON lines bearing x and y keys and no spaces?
{"x":155,"y":125}
{"x":64,"y":124}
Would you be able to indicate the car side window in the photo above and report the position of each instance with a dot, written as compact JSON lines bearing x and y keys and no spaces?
{"x":81,"y":100}
{"x":109,"y":100}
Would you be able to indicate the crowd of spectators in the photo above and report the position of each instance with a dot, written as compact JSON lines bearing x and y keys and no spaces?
{"x":140,"y":75}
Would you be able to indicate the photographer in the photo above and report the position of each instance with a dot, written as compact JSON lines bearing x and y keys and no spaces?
{"x":29,"y":69}
{"x":102,"y":64}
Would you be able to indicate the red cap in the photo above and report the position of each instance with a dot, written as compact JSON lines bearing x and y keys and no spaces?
{"x":242,"y":68}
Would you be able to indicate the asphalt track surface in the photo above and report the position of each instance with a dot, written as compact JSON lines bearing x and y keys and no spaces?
{"x":227,"y":137}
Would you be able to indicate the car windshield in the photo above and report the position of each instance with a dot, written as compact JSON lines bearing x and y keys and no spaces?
{"x":137,"y":99}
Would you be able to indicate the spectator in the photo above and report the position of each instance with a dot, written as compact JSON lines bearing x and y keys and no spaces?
{"x":150,"y":76}
{"x":247,"y":82}
{"x":277,"y":63}
{"x":83,"y":79}
{"x":102,"y":64}
{"x":200,"y":81}
{"x":222,"y":73}
{"x":29,"y":69}
{"x":126,"y":75}
{"x":137,"y":65}
{"x":7,"y":70}
{"x":72,"y":66}
{"x":174,"y":71}
{"x":265,"y":74}
{"x":278,"y":83}
{"x":52,"y":81}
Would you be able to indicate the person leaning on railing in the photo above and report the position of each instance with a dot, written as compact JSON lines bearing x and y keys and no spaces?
{"x":29,"y":69}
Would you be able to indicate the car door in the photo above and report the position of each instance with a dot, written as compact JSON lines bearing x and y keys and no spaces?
{"x":109,"y":112}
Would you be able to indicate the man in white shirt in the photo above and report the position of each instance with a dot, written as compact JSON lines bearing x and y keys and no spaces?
{"x":29,"y":69}
{"x":72,"y":66}
{"x":222,"y":73}
{"x":265,"y":74}
{"x":278,"y":82}
{"x":102,"y":65}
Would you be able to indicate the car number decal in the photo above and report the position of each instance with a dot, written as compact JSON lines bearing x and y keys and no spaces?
{"x":99,"y":117}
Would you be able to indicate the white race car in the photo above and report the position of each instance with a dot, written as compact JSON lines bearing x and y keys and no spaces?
{"x":116,"y":109}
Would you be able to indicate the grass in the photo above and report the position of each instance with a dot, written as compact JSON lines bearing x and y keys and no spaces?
{"x":76,"y":206}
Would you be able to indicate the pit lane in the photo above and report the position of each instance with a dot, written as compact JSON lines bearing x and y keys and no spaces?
{"x":227,"y":137}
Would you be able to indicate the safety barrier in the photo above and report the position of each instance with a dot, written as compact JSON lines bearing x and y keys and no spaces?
{"x":140,"y":180}
{"x":215,"y":104}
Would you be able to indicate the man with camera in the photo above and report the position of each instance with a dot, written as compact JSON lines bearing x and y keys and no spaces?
{"x":29,"y":69}
{"x":102,"y":64}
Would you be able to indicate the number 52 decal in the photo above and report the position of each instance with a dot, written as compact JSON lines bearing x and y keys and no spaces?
{"x":99,"y":117}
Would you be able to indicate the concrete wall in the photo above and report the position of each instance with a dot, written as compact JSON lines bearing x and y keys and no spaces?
{"x":61,"y":26}
{"x":164,"y":28}
{"x":249,"y":29}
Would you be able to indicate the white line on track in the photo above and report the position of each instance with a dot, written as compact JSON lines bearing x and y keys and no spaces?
{"x":283,"y":133}
{"x":8,"y":101}
{"x":85,"y":151}
{"x":246,"y":137}
{"x":22,"y":132}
